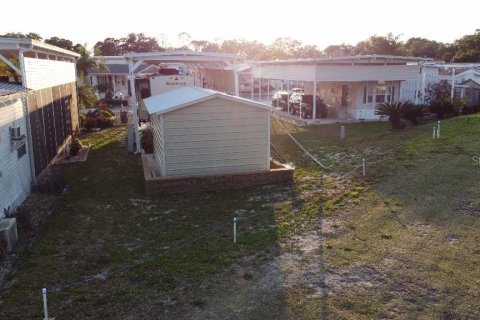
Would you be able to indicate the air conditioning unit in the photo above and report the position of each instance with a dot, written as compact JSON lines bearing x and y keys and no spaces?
{"x":15,"y":134}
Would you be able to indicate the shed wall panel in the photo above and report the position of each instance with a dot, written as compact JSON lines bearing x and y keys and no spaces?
{"x":216,"y":136}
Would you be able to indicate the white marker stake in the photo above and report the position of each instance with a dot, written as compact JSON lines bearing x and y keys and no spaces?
{"x":438,"y":130}
{"x":342,"y":132}
{"x":363,"y":166}
{"x":45,"y":309}
{"x":234,"y":230}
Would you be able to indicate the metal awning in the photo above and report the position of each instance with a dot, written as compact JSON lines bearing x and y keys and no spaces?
{"x":11,"y":46}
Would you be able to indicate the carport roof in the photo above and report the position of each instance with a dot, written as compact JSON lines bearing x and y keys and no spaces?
{"x":189,"y":95}
{"x":372,"y":58}
{"x":16,"y":44}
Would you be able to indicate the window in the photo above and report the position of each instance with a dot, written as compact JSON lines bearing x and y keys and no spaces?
{"x":378,"y":94}
{"x":367,"y":94}
{"x":21,"y":150}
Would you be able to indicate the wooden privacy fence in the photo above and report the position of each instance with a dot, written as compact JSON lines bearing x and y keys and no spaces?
{"x":53,"y":116}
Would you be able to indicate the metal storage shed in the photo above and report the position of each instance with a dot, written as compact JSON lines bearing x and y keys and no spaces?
{"x":203,"y":132}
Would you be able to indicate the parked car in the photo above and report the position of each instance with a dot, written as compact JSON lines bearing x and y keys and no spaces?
{"x":280,"y":100}
{"x":301,"y":102}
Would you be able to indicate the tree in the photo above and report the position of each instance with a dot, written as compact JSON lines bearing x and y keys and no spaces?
{"x":139,"y":43}
{"x":437,"y":96}
{"x":388,"y":45}
{"x":30,"y":35}
{"x":338,"y":50}
{"x":468,"y":48}
{"x":393,"y":111}
{"x":87,"y":62}
{"x":308,"y":51}
{"x":284,"y":48}
{"x":204,"y":46}
{"x":184,"y":38}
{"x":87,"y":96}
{"x":109,"y":47}
{"x":421,"y":47}
{"x":63,"y":43}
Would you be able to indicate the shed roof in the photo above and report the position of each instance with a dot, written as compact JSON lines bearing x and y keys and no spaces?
{"x":189,"y":95}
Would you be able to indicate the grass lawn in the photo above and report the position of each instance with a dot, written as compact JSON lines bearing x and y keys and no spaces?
{"x":401,"y":243}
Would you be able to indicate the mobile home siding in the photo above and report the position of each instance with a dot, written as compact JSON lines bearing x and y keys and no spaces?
{"x":216,"y":136}
{"x":158,"y":141}
{"x":15,"y":175}
{"x":41,"y":73}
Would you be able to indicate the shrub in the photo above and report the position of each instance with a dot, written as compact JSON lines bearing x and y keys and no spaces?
{"x":104,"y":87}
{"x":146,"y":140}
{"x":458,"y":105}
{"x":413,"y":113}
{"x":90,"y":123}
{"x":470,"y":109}
{"x":442,"y":108}
{"x":393,"y":111}
{"x":75,"y":147}
{"x":116,"y":102}
{"x":105,"y":121}
{"x":83,"y":118}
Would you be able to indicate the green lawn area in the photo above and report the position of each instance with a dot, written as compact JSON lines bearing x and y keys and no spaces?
{"x":401,"y":243}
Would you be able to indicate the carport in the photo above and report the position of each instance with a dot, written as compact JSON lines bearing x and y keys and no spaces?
{"x":351,"y":85}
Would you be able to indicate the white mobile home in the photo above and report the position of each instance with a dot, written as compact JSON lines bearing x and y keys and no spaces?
{"x":15,"y":170}
{"x":37,"y":115}
{"x":204,"y":132}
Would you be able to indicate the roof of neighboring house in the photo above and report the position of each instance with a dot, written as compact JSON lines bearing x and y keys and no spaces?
{"x":115,"y":68}
{"x":189,"y":95}
{"x":7,"y":88}
{"x":470,"y":82}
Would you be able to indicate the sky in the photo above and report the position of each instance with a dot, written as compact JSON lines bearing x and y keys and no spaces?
{"x":313,"y":22}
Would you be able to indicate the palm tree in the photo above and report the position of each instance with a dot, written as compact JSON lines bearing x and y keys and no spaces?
{"x":87,"y":94}
{"x":88,"y":62}
{"x":393,"y":111}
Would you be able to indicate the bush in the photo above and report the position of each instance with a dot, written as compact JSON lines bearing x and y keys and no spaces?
{"x":393,"y":111}
{"x":83,"y":118}
{"x":442,"y":108}
{"x":90,"y":123}
{"x":413,"y":113}
{"x":75,"y":147}
{"x":470,"y":109}
{"x":114,"y":102}
{"x":146,"y":140}
{"x":100,"y":118}
{"x":105,"y":121}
